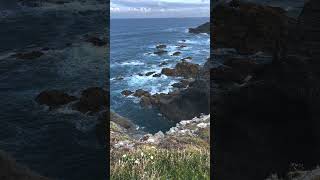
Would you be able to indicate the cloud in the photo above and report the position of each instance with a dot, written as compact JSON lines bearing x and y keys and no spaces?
{"x":159,"y":8}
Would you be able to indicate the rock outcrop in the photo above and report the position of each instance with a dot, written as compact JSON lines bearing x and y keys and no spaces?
{"x":270,"y":119}
{"x":93,"y":99}
{"x":54,"y":98}
{"x":204,"y":28}
{"x":249,"y":27}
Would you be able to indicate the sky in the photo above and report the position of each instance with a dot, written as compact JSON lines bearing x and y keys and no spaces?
{"x":159,"y":8}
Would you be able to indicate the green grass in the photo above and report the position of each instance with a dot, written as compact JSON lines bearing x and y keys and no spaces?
{"x":149,"y":163}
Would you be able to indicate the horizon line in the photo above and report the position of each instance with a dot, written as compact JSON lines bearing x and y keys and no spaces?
{"x":159,"y":17}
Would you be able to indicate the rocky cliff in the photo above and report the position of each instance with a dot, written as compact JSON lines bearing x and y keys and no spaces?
{"x":267,"y":102}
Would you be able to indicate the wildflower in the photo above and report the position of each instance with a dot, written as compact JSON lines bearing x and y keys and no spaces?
{"x":151,"y":157}
{"x":136,"y":161}
{"x":124,"y":155}
{"x":141,"y":153}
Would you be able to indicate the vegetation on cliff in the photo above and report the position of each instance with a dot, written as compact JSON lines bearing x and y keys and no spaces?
{"x":181,"y":153}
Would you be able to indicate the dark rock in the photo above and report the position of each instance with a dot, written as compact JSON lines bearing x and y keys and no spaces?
{"x":157,"y":75}
{"x":149,"y":73}
{"x":176,"y":54}
{"x":186,"y":58}
{"x":126,"y":92}
{"x":186,"y":104}
{"x":146,"y":101}
{"x":93,"y":99}
{"x":186,"y":69}
{"x":119,"y":78}
{"x":141,"y":92}
{"x":250,"y":28}
{"x":54,"y":98}
{"x":140,"y":74}
{"x":178,"y":85}
{"x":204,"y":28}
{"x":123,"y":122}
{"x":29,"y":55}
{"x":226,"y":74}
{"x":168,"y":72}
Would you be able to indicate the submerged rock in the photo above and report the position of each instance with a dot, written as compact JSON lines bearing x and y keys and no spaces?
{"x":93,"y":99}
{"x":163,"y":63}
{"x":160,"y":52}
{"x":54,"y":98}
{"x":157,"y":75}
{"x":176,"y":53}
{"x":126,"y":92}
{"x":29,"y":55}
{"x":149,"y":73}
{"x":141,"y":92}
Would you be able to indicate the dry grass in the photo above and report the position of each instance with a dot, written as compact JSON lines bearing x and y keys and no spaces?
{"x":149,"y":163}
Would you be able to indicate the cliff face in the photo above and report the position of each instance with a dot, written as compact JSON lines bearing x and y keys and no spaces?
{"x":270,"y":115}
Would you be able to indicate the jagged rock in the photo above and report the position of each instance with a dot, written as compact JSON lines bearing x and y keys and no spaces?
{"x":29,"y":55}
{"x":226,"y":74}
{"x":93,"y":99}
{"x":186,"y":58}
{"x":249,"y":27}
{"x":176,"y":54}
{"x":168,"y":72}
{"x":179,"y":85}
{"x":149,"y":73}
{"x":146,"y":101}
{"x":54,"y":98}
{"x":123,"y":122}
{"x":157,"y":75}
{"x":126,"y":92}
{"x":204,"y":28}
{"x":186,"y":104}
{"x":141,"y":92}
{"x":186,"y":69}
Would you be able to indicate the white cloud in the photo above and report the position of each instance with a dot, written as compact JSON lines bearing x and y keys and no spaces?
{"x":182,"y":8}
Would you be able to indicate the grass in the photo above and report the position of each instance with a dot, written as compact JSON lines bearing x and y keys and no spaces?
{"x":149,"y":163}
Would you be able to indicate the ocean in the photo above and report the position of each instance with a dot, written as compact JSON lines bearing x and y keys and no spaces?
{"x":132,"y":43}
{"x":62,"y":143}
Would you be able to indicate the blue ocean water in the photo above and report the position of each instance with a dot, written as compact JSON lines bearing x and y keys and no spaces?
{"x":133,"y":42}
{"x":60,"y":144}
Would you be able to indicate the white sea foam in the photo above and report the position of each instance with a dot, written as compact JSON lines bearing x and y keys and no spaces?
{"x":132,"y":63}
